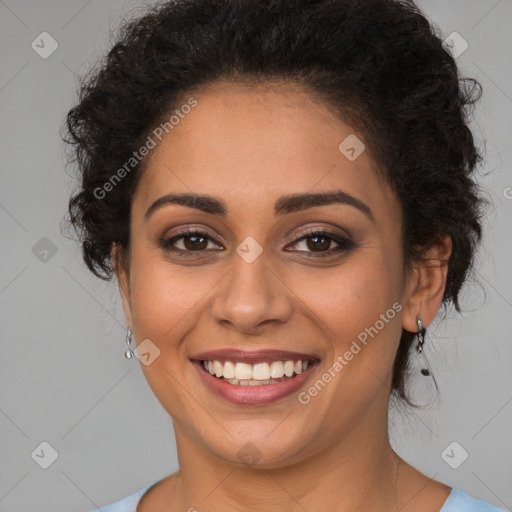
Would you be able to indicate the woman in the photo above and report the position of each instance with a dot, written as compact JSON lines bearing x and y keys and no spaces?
{"x":284,"y":191}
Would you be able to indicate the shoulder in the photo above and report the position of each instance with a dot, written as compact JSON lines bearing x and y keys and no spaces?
{"x":457,"y":501}
{"x":127,"y":504}
{"x":460,"y":501}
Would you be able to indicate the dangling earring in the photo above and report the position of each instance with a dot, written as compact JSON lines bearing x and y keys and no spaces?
{"x":129,"y":353}
{"x":421,"y":340}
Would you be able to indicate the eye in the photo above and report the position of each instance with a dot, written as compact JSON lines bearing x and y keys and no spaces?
{"x":319,"y":242}
{"x":190,"y":240}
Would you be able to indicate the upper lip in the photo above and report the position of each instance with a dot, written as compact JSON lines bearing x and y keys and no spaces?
{"x":252,"y":357}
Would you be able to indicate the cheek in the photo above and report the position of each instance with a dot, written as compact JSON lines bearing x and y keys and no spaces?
{"x":157,"y":297}
{"x":357,"y":307}
{"x":358,"y":310}
{"x":349,"y":298}
{"x":167,"y":298}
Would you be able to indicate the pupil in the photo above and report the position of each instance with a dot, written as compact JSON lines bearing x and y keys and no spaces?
{"x":316,"y":245}
{"x":194,"y":245}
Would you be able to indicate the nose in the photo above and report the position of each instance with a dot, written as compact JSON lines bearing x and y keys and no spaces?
{"x":250,"y":296}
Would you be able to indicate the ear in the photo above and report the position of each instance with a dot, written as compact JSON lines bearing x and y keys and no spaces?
{"x":123,"y":281}
{"x":426,"y":284}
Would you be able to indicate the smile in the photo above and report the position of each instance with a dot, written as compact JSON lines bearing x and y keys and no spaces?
{"x":254,"y":378}
{"x":259,"y":374}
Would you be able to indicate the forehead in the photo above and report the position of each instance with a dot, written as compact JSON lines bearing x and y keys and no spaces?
{"x":251,"y":144}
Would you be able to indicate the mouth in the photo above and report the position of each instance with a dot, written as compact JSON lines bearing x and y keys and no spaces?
{"x":259,"y":374}
{"x":254,"y":377}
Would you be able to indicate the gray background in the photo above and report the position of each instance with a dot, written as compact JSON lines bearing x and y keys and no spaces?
{"x":63,"y":377}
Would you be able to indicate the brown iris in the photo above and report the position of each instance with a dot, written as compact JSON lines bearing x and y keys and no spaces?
{"x":314,"y":245}
{"x":195,"y":245}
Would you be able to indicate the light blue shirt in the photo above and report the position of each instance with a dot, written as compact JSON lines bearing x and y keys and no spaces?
{"x":457,"y":501}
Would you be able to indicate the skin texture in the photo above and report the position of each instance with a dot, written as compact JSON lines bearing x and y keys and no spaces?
{"x":249,"y":146}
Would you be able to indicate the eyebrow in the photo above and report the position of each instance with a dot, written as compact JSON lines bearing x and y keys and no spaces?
{"x":285,"y":204}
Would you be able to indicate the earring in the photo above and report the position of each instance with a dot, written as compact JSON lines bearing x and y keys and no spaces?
{"x":129,"y":353}
{"x":421,"y":340}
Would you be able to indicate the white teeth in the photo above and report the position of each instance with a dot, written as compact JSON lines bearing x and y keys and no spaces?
{"x":218,"y":368}
{"x":261,"y":371}
{"x":243,"y":371}
{"x":289,"y":366}
{"x":251,"y":382}
{"x":276,"y":370}
{"x":244,"y":374}
{"x":229,"y":370}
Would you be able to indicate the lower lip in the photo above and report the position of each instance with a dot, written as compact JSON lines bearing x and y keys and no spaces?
{"x":254,"y":395}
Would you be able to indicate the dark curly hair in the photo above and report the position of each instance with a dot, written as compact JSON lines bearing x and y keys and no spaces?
{"x":379,"y":63}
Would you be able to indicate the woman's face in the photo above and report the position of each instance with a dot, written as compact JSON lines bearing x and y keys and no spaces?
{"x":249,"y":285}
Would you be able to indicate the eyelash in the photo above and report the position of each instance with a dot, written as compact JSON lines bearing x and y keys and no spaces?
{"x":344,"y":244}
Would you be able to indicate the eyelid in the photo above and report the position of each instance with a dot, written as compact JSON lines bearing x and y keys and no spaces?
{"x":167,"y":242}
{"x":344,"y":243}
{"x":316,"y":231}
